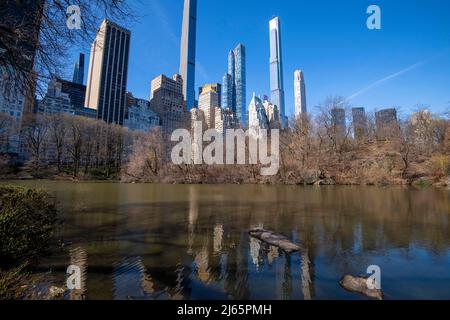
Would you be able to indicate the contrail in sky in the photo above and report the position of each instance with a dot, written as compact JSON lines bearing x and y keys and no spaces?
{"x":395,"y":75}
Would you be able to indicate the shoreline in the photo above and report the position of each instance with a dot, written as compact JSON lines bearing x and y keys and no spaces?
{"x":421,"y":183}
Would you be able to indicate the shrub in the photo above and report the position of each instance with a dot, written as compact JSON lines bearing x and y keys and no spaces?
{"x":27,"y":221}
{"x":440,"y":165}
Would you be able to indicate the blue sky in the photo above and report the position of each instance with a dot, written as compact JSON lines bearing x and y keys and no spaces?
{"x":327,"y":39}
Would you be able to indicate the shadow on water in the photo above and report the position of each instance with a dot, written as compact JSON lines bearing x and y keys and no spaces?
{"x":191,"y":242}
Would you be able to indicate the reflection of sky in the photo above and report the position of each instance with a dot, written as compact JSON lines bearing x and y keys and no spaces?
{"x":127,"y":279}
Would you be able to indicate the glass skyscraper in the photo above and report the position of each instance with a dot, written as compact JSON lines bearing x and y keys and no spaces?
{"x":276,"y":69}
{"x":188,"y":50}
{"x":234,"y":88}
{"x":78,"y":72}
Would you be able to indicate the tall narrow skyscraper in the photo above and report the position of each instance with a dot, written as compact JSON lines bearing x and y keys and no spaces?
{"x":300,"y":95}
{"x":78,"y":71}
{"x":234,"y":85}
{"x":240,"y":84}
{"x":188,"y":49}
{"x":108,"y":71}
{"x":276,"y":68}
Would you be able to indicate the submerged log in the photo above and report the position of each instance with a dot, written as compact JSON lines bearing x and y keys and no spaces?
{"x":274,"y":239}
{"x":359,"y":285}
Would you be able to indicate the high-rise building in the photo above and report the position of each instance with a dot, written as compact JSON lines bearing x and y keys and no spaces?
{"x":257,"y":117}
{"x":167,"y":101}
{"x":232,"y":73}
{"x":386,"y":122}
{"x":207,"y":103}
{"x":272,"y":113}
{"x":78,"y":71}
{"x":217,"y":87}
{"x":56,"y":101}
{"x":188,"y":51}
{"x":225,"y":119}
{"x":76,"y":92}
{"x":235,"y":84}
{"x":108,"y":72}
{"x":65,"y":97}
{"x":276,"y":69}
{"x":227,"y":92}
{"x":338,"y":121}
{"x":140,"y":117}
{"x":300,"y":94}
{"x":359,"y":123}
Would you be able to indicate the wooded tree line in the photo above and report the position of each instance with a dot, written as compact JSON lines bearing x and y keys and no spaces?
{"x":77,"y":146}
{"x":312,"y":151}
{"x":316,"y":151}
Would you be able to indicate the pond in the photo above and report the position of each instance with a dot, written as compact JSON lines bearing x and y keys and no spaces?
{"x":144,"y":241}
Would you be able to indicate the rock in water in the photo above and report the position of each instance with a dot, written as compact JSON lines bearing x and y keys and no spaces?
{"x":274,"y":239}
{"x":55,"y":293}
{"x":359,"y":285}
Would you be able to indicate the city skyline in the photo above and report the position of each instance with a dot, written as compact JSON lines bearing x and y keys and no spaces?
{"x":344,"y":70}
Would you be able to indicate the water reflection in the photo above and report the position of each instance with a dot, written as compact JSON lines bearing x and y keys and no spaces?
{"x":191,"y":242}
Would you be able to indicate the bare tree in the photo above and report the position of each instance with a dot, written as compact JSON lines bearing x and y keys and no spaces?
{"x":57,"y":136}
{"x":35,"y":39}
{"x":35,"y":137}
{"x":75,"y":142}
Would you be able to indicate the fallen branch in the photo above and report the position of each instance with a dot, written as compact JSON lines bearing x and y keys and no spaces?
{"x":274,"y":239}
{"x":359,"y":285}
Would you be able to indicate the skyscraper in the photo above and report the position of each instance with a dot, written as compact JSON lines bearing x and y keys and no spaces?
{"x":338,"y":121}
{"x":276,"y":68}
{"x":78,"y":71}
{"x":240,"y":83}
{"x":387,"y":123}
{"x":187,"y":56}
{"x":234,"y":84}
{"x":217,"y":87}
{"x":300,"y":94}
{"x":208,"y":102}
{"x":257,"y":117}
{"x":359,"y":123}
{"x":227,"y":92}
{"x":108,"y":71}
{"x":167,"y":101}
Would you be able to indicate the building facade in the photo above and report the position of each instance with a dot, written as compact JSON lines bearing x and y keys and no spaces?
{"x":217,"y":87}
{"x":65,"y":97}
{"x":140,"y":117}
{"x":108,"y":72}
{"x":167,"y":101}
{"x":207,"y":103}
{"x":76,"y":92}
{"x":300,"y":95}
{"x":55,"y":101}
{"x":386,"y":123}
{"x":359,"y":123}
{"x":272,"y":113}
{"x":338,"y":121}
{"x":276,"y":69}
{"x":188,"y":51}
{"x":257,"y":117}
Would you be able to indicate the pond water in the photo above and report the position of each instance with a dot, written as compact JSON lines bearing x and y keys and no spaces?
{"x":143,"y":241}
